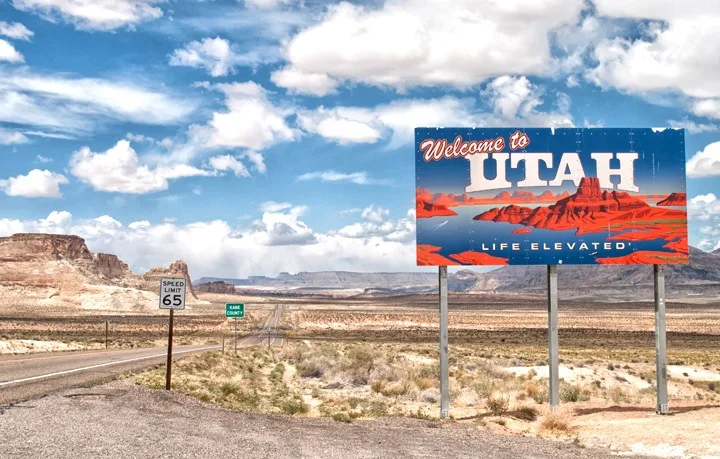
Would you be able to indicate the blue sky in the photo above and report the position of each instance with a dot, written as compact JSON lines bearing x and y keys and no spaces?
{"x":259,"y":136}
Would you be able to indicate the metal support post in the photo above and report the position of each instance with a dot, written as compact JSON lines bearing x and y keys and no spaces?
{"x":660,"y":340}
{"x":235,"y":336}
{"x":107,"y":326}
{"x":553,"y":361}
{"x":444,"y":367}
{"x":168,"y":371}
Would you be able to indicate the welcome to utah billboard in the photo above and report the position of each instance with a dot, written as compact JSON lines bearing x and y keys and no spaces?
{"x":550,"y":196}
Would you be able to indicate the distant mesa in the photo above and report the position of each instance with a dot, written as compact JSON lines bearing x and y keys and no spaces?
{"x":675,"y":199}
{"x":525,"y":195}
{"x":518,"y":197}
{"x":521,"y":231}
{"x":215,"y":287}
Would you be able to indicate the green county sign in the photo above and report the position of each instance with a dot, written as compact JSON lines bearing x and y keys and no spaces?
{"x":235,"y":310}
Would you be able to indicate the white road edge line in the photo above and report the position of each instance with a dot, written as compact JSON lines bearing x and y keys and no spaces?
{"x":59,"y":373}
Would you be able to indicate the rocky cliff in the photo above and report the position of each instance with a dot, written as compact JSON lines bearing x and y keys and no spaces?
{"x":51,"y":269}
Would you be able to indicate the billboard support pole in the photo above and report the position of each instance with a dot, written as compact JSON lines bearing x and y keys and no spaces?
{"x":444,"y":368}
{"x":553,"y":365}
{"x":660,"y":340}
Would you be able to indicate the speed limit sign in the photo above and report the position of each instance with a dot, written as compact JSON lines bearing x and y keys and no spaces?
{"x":172,"y":293}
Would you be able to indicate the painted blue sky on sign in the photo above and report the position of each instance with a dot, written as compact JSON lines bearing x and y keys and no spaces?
{"x":260,"y":136}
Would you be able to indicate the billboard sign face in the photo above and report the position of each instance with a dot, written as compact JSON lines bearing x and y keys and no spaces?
{"x":516,"y":196}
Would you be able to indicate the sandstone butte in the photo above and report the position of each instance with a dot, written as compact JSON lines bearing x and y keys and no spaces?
{"x":589,"y":210}
{"x":50,"y":267}
{"x":675,"y":199}
{"x":593,"y":210}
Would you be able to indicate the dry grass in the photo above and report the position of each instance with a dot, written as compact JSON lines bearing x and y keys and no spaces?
{"x":557,"y":422}
{"x":498,"y":404}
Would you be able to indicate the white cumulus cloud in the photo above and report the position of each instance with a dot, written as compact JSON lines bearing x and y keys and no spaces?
{"x":215,"y":55}
{"x":513,"y":101}
{"x":8,"y":53}
{"x":119,"y":170}
{"x":36,"y":184}
{"x":229,"y":163}
{"x":408,"y":43}
{"x":279,"y":241}
{"x":678,"y":55}
{"x":250,"y":120}
{"x":94,"y":14}
{"x":705,"y":163}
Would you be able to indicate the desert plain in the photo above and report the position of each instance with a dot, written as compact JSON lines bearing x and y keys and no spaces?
{"x":354,"y":357}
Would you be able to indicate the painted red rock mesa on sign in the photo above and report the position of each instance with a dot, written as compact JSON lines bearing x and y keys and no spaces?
{"x":675,"y":199}
{"x":426,"y":256}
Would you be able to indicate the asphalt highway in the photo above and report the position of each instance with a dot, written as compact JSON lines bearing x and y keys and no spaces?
{"x":24,"y":377}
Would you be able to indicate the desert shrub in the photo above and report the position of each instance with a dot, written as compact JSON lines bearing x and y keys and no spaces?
{"x":526,"y":413}
{"x":376,"y":385}
{"x":556,"y":421}
{"x":357,"y":365}
{"x":570,"y":393}
{"x":375,"y":408}
{"x":395,"y":389}
{"x":424,"y":383}
{"x":314,"y":367}
{"x":386,"y":373}
{"x":497,"y":404}
{"x":293,"y":406}
{"x":618,"y":395}
{"x":277,"y":373}
{"x":342,"y":417}
{"x":536,"y":392}
{"x":485,"y":386}
{"x":228,"y":388}
{"x":430,"y":395}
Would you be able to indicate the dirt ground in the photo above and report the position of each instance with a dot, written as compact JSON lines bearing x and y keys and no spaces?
{"x":498,"y":349}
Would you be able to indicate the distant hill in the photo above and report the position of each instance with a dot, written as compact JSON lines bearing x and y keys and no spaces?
{"x":700,"y":277}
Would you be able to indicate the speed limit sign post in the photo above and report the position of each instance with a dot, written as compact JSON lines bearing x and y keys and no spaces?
{"x":172,"y":297}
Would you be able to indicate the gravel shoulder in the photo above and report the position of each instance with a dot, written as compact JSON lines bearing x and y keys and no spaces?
{"x":121,"y":420}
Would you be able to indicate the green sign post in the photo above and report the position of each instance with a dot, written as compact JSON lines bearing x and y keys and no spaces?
{"x":235,"y":311}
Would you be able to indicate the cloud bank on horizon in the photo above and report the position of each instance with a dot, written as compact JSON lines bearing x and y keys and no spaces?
{"x":264,"y":136}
